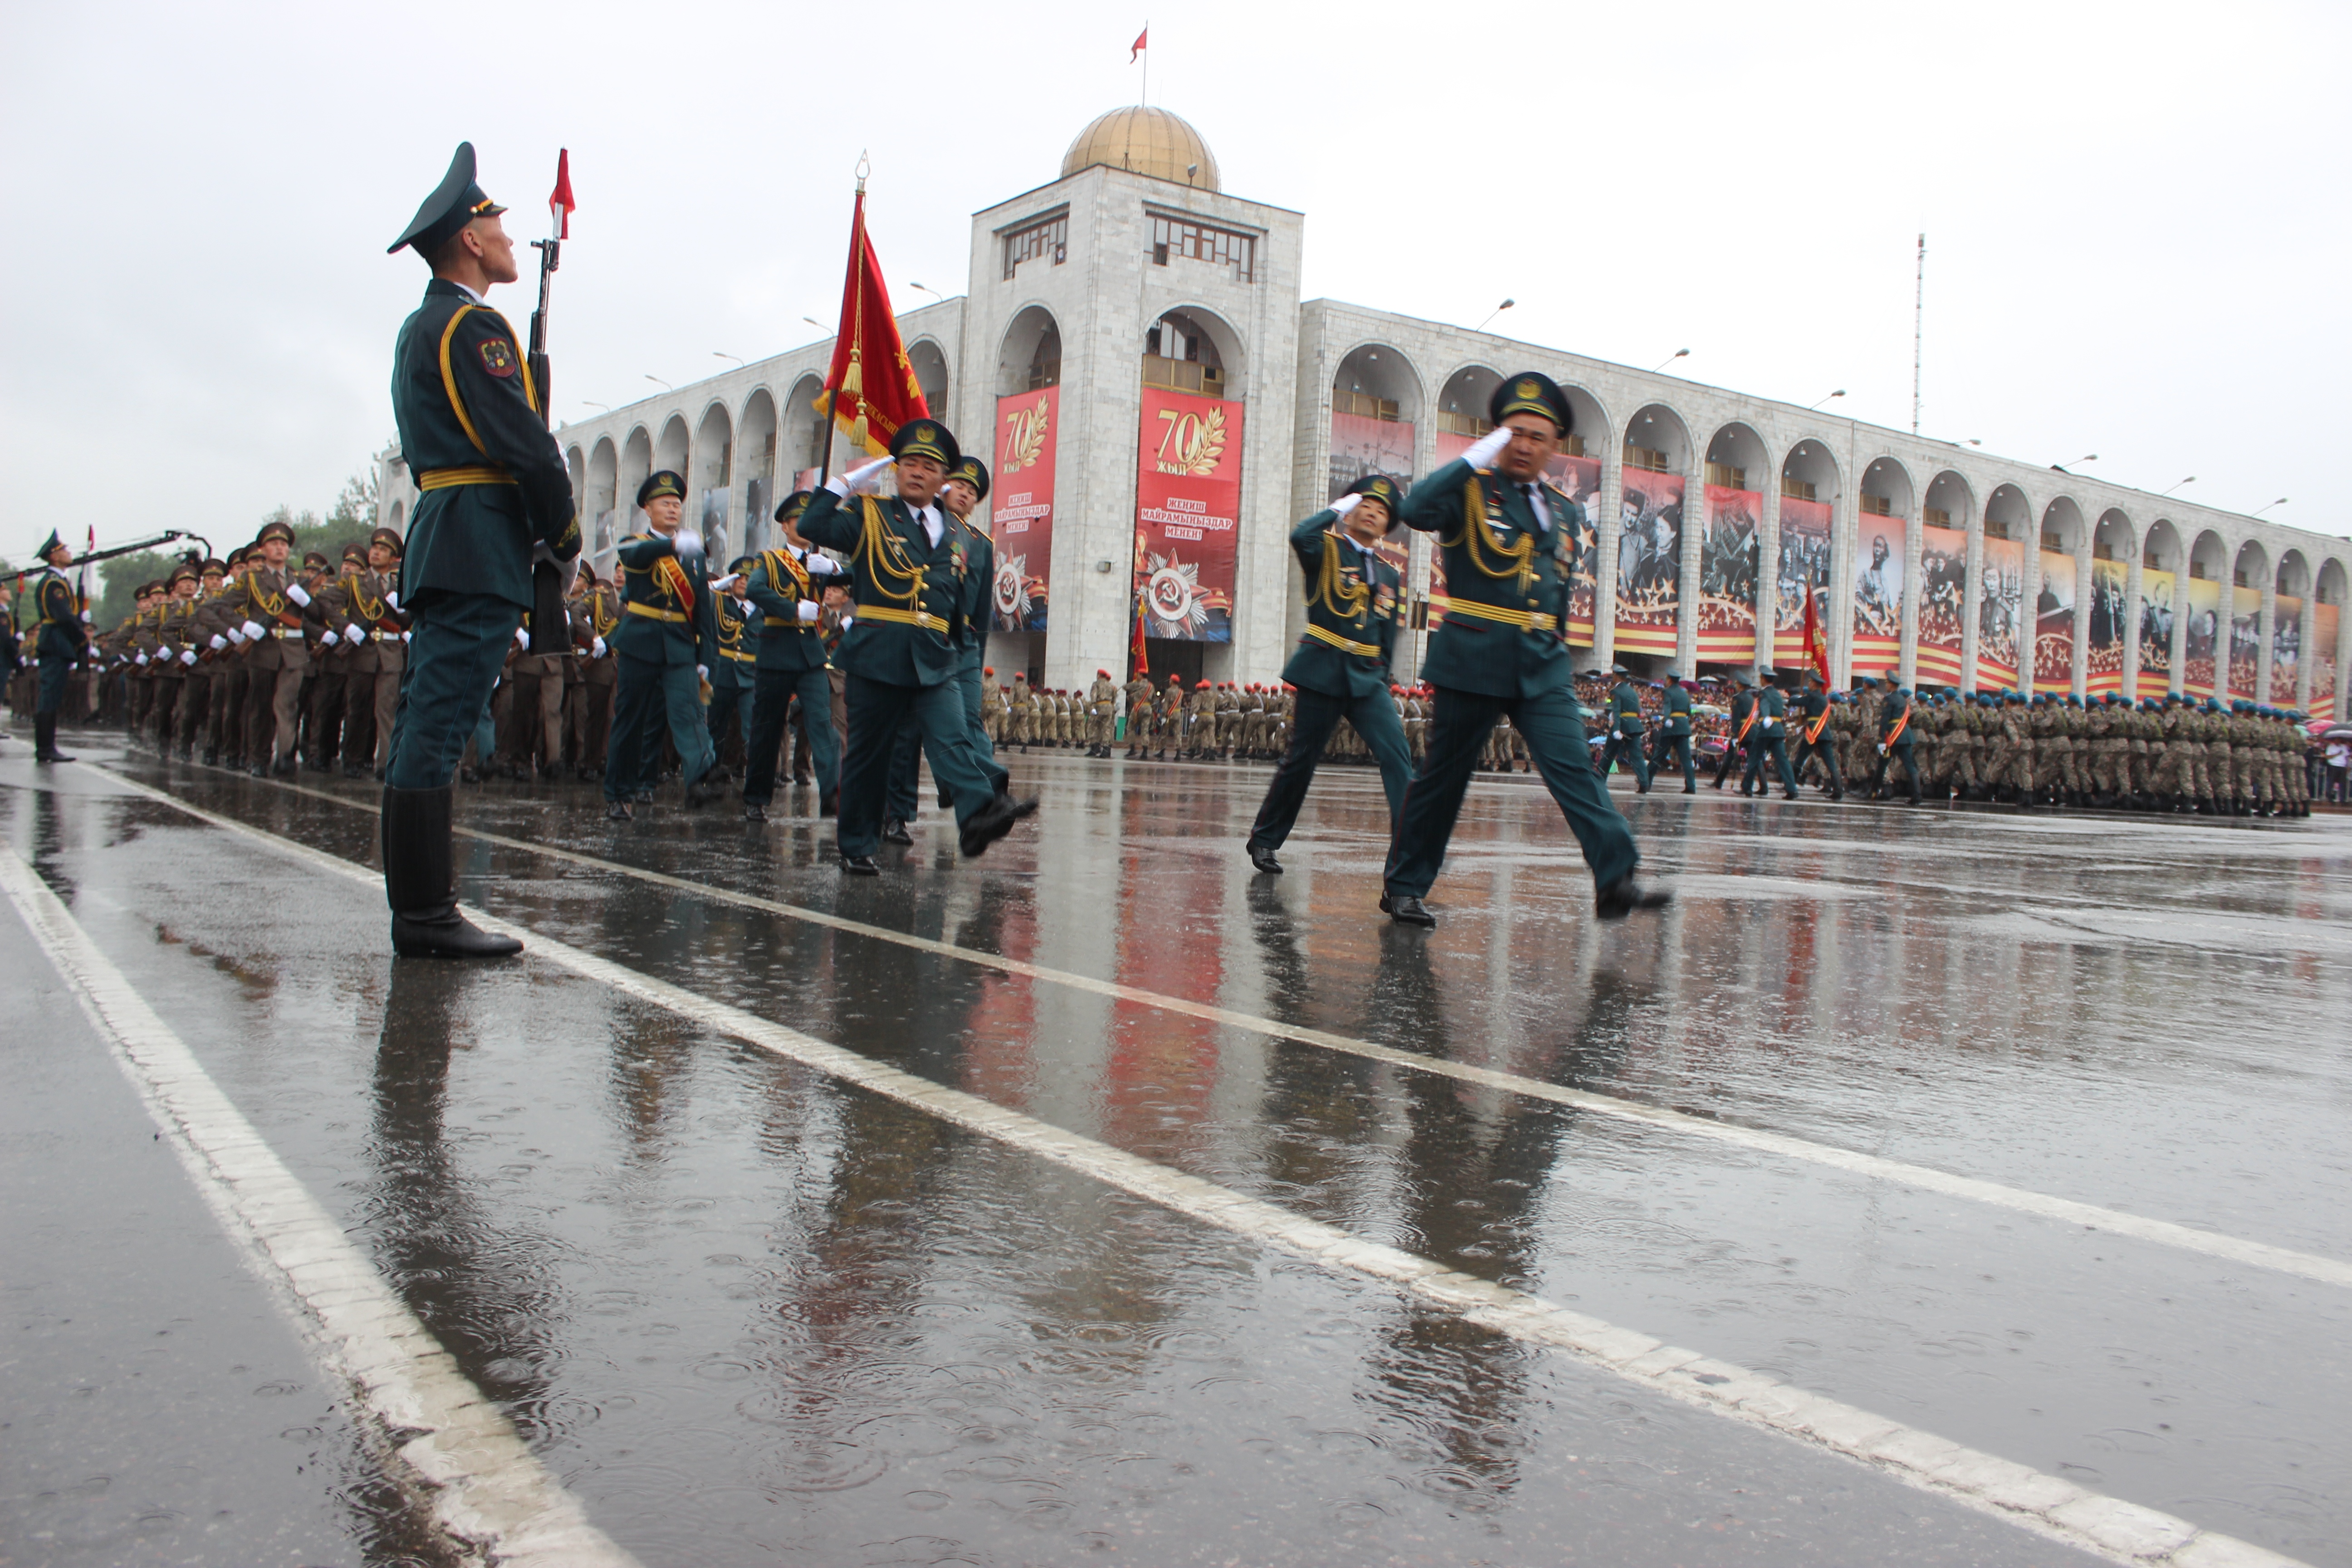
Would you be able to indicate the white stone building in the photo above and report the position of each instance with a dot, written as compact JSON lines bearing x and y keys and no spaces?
{"x":1134,"y":275}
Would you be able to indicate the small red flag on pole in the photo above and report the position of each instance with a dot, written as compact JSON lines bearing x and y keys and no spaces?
{"x":870,"y":389}
{"x":1139,"y":654}
{"x":1142,"y":42}
{"x":1817,"y":647}
{"x":559,"y":202}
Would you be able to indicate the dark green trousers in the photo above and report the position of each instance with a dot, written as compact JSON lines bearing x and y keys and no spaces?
{"x":876,"y":711}
{"x":1312,"y":721}
{"x":649,"y":695}
{"x":905,"y":781}
{"x":455,"y":649}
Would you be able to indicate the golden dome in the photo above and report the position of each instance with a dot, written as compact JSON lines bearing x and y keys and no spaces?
{"x":1144,"y":140}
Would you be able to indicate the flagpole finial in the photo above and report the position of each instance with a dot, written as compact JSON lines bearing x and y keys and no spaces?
{"x":863,"y":168}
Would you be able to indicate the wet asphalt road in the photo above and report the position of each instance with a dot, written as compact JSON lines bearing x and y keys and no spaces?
{"x":749,"y":1314}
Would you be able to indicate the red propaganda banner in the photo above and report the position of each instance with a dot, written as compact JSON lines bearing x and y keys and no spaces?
{"x":2245,"y":640}
{"x":1878,"y":595}
{"x":2203,"y":656}
{"x":2054,"y":626}
{"x":2155,"y":632}
{"x":2324,"y":633}
{"x":1579,"y":480}
{"x":1362,"y":445}
{"x":1804,"y":559}
{"x":2286,"y":648}
{"x":1727,"y":576}
{"x":1943,"y":604}
{"x":1188,"y":501}
{"x":2103,"y":660}
{"x":1021,"y":515}
{"x":1649,"y":561}
{"x":2000,"y":615}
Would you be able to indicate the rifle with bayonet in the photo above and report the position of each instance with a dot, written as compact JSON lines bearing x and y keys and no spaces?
{"x":550,"y":630}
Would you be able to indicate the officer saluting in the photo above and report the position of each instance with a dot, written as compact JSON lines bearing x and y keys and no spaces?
{"x":64,"y":633}
{"x":496,"y":496}
{"x":1507,"y":542}
{"x":1342,"y":667}
{"x":905,"y":652}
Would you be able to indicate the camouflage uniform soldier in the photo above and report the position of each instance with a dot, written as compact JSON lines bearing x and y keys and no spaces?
{"x":1139,"y":715}
{"x":1102,"y":710}
{"x":991,"y":706}
{"x":1021,"y":712}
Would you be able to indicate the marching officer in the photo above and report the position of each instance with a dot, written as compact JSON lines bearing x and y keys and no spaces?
{"x":1674,"y":740}
{"x":595,"y":617}
{"x":668,"y":641}
{"x":1341,"y":667}
{"x":495,"y":494}
{"x":1769,"y":743}
{"x":1626,"y":730}
{"x":267,"y":607}
{"x":786,"y":585}
{"x":965,"y":488}
{"x":904,"y":654}
{"x":1897,"y":739}
{"x":64,"y":633}
{"x":735,"y":674}
{"x":1507,"y":541}
{"x":1813,"y":736}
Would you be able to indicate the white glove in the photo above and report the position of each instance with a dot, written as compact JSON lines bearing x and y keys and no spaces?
{"x":141,"y":659}
{"x":187,"y":655}
{"x":85,"y":619}
{"x":1347,"y":504}
{"x":353,"y":633}
{"x":595,"y":648}
{"x":866,"y":480}
{"x":329,"y":639}
{"x":392,"y":599}
{"x":1483,"y":451}
{"x":236,"y":636}
{"x":822,"y":565}
{"x":845,"y":621}
{"x":220,"y":642}
{"x":403,"y":636}
{"x":720,"y":584}
{"x":253,"y":631}
{"x":522,"y":638}
{"x":702,"y":672}
{"x":294,"y":591}
{"x":688,"y":541}
{"x":810,"y":610}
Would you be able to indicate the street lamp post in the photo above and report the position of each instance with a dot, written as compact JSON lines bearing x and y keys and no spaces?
{"x":1678,"y":353}
{"x":1839,"y":393}
{"x":1497,"y":312}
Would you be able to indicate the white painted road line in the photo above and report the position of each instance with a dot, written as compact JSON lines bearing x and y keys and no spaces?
{"x":2047,"y":1505}
{"x":450,"y":1451}
{"x":2164,"y":1233}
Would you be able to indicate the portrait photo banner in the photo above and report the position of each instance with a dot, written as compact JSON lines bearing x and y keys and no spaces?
{"x":2286,"y":648}
{"x":1804,"y":558}
{"x":1649,"y":562}
{"x":2054,"y":625}
{"x":2208,"y":641}
{"x":1188,"y":495}
{"x":1362,"y":445}
{"x":1943,"y":604}
{"x":1727,"y":576}
{"x":2000,"y":615}
{"x":2245,"y":640}
{"x":1878,"y":595}
{"x":2103,"y":664}
{"x":2324,"y":633}
{"x":1021,"y":508}
{"x":2155,"y":616}
{"x":1579,"y":480}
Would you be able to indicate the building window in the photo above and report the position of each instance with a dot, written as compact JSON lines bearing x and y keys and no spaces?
{"x":2197,"y":571}
{"x":1364,"y":406}
{"x":1796,"y":489}
{"x":1996,"y":529}
{"x":1048,"y":236}
{"x":1723,"y":476}
{"x":1454,"y":422}
{"x":1173,"y":237}
{"x":2101,"y":551}
{"x":1936,"y":517}
{"x":1878,"y":506}
{"x":1183,"y":375}
{"x":1649,"y":459}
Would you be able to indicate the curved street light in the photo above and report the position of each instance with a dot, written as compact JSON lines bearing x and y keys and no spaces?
{"x":1678,"y":353}
{"x":2189,"y":481}
{"x":1497,"y":312}
{"x":2259,"y":510}
{"x":1839,"y":393}
{"x":722,"y":353}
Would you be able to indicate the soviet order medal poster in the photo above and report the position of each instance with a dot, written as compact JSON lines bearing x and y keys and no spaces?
{"x":1188,"y":493}
{"x":1021,"y":520}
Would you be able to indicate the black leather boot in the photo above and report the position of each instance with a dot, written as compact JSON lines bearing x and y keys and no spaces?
{"x":420,"y":881}
{"x":45,"y":739}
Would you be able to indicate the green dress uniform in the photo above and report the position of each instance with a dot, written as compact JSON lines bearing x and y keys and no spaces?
{"x":1504,"y":650}
{"x":1341,"y":667}
{"x":978,"y":581}
{"x":1898,"y":740}
{"x":1768,"y":742}
{"x":58,"y":643}
{"x":667,"y":638}
{"x":495,"y":491}
{"x":905,"y":652}
{"x":1674,"y":742}
{"x":786,"y":586}
{"x":1814,"y":740}
{"x":1625,"y":732}
{"x":733,"y":674}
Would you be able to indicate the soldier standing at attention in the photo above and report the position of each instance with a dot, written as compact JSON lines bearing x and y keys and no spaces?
{"x":1813,"y":734}
{"x":1340,"y":668}
{"x":1626,"y":730}
{"x":668,"y":640}
{"x":991,"y":706}
{"x":905,"y":652}
{"x":1021,"y":712}
{"x":1139,"y":715}
{"x":1507,"y":542}
{"x":496,"y":496}
{"x":785,"y":584}
{"x":64,"y":633}
{"x":1102,"y":714}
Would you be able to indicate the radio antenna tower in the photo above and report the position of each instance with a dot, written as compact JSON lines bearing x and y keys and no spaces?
{"x":1919,"y":317}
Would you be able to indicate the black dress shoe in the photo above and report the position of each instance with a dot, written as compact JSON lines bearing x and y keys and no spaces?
{"x":703,"y":791}
{"x":754,"y":812}
{"x":618,"y":811}
{"x":1788,"y":795}
{"x":450,"y":935}
{"x":860,"y":865}
{"x":1623,"y":896}
{"x":1263,"y":858}
{"x":895,"y":832}
{"x":992,"y":821}
{"x":1406,"y":909}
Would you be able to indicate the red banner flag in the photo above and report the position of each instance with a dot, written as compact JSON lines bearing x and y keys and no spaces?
{"x":871,"y":389}
{"x":559,"y":203}
{"x":1140,"y":45}
{"x":1817,"y":646}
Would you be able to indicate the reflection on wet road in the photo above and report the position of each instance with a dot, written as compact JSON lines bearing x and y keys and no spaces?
{"x":749,"y":1312}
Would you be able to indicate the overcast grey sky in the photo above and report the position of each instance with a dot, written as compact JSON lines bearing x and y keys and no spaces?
{"x":2136,"y":214}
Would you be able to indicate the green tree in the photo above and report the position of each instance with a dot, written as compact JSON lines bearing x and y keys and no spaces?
{"x":118,"y":581}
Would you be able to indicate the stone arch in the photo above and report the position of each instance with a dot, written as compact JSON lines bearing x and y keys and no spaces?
{"x":2158,"y":610}
{"x":2052,"y":574}
{"x":2160,"y":550}
{"x":2062,"y":527}
{"x":2008,"y":514}
{"x":1944,"y":601}
{"x":598,"y":499}
{"x":803,"y":429}
{"x":2241,"y":609}
{"x":400,"y":519}
{"x":576,"y":464}
{"x":755,"y":460}
{"x":929,"y":364}
{"x":1384,"y":378}
{"x":2252,"y":566}
{"x":1030,"y":357}
{"x":2209,"y":558}
{"x":2291,"y":623}
{"x":1950,"y":503}
{"x":2331,"y":581}
{"x":637,"y":462}
{"x":1652,"y":509}
{"x":2294,"y":576}
{"x":2004,"y":614}
{"x":1886,"y":480}
{"x":1192,"y":349}
{"x":1462,"y":402}
{"x":673,"y":451}
{"x":1730,"y":537}
{"x":1809,"y":489}
{"x":2108,"y":616}
{"x":2115,"y":538}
